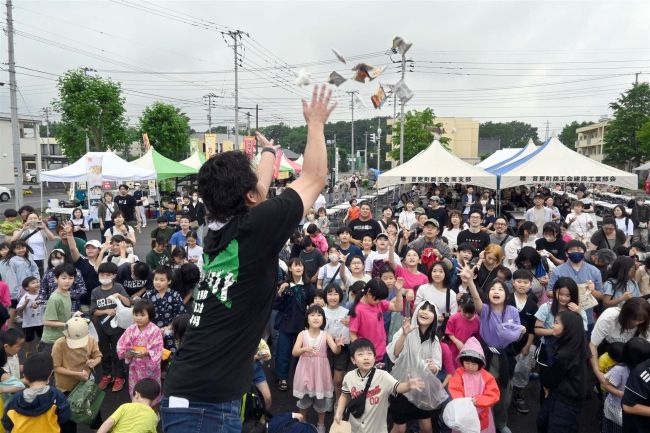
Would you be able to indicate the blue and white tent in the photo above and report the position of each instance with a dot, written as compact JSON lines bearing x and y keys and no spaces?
{"x":523,"y":152}
{"x":554,"y":162}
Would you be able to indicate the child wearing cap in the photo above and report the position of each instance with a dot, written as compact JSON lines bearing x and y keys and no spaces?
{"x":137,"y":416}
{"x":473,"y":381}
{"x":378,"y":258}
{"x":74,"y":355}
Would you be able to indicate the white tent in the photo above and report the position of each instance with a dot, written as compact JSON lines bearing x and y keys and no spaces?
{"x":554,"y":162}
{"x":527,"y":150}
{"x":114,"y":168}
{"x":437,"y":164}
{"x":499,"y":156}
{"x":196,"y":160}
{"x":642,"y":167}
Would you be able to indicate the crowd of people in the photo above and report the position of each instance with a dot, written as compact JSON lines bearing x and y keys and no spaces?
{"x":435,"y":312}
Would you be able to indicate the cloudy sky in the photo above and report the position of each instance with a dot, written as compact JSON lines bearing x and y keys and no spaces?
{"x":552,"y":61}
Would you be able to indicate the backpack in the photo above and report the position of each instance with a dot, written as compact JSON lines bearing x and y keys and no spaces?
{"x":253,"y":412}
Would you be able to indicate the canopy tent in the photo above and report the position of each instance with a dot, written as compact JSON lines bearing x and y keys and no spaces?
{"x":163,"y":166}
{"x":437,"y":164}
{"x":114,"y":168}
{"x":299,"y":160}
{"x":499,"y":156}
{"x":196,"y":160}
{"x":554,"y":162}
{"x":524,"y":152}
{"x":285,"y":170}
{"x":642,"y":167}
{"x":296,"y":167}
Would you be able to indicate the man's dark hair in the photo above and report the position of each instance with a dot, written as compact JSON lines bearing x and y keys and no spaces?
{"x":161,"y":220}
{"x":66,"y":268}
{"x":147,"y":388}
{"x":141,"y":270}
{"x":38,"y":367}
{"x":465,"y":246}
{"x":107,"y":268}
{"x":125,"y":186}
{"x":307,"y":242}
{"x":161,"y":240}
{"x":476,"y":211}
{"x":117,"y":239}
{"x":224,"y":180}
{"x":365,"y":203}
{"x":27,"y":209}
{"x":523,"y":274}
{"x":361,"y":344}
{"x":11,"y":213}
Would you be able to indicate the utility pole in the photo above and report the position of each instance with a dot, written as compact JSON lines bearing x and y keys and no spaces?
{"x":378,"y":142}
{"x":46,"y":110}
{"x":546,"y":130}
{"x":236,"y":37}
{"x":354,"y":157}
{"x":365,"y":155}
{"x":401,"y":117}
{"x":209,"y":97}
{"x":636,"y":78}
{"x":15,"y":128}
{"x":336,"y":161}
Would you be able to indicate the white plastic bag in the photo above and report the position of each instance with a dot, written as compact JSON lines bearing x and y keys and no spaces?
{"x":433,"y":394}
{"x":123,"y":315}
{"x":461,"y":415}
{"x":92,"y":331}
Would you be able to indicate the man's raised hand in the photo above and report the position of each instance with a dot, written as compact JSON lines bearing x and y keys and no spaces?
{"x":319,"y":108}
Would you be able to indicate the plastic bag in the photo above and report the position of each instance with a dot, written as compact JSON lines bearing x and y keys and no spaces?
{"x":461,"y":415}
{"x":123,"y":315}
{"x":92,"y":331}
{"x":433,"y":394}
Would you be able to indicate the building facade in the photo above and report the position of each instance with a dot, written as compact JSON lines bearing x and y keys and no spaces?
{"x":462,"y":133}
{"x":590,"y":140}
{"x":30,"y":148}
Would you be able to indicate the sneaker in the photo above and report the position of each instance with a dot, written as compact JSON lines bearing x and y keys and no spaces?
{"x":320,"y":428}
{"x":118,"y":384}
{"x":106,"y":380}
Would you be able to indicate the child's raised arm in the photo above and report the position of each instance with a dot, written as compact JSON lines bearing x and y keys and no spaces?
{"x":467,"y":277}
{"x":397,"y":304}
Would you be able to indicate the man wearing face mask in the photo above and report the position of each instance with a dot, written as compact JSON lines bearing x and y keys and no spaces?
{"x":640,"y":217}
{"x":581,"y":272}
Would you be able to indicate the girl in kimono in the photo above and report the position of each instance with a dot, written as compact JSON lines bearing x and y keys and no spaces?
{"x":141,"y":346}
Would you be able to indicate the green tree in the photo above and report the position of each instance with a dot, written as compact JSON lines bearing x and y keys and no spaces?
{"x":568,"y":136}
{"x":512,"y":134}
{"x":54,"y":128}
{"x":419,"y":129}
{"x":89,"y":105}
{"x":643,"y":135}
{"x":168,"y":129}
{"x":631,"y":112}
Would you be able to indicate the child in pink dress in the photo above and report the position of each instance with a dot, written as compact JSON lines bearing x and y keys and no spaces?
{"x":141,"y":346}
{"x":461,"y":326}
{"x":312,"y":383}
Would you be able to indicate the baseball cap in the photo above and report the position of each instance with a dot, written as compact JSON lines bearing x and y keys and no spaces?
{"x":432,"y":221}
{"x":381,"y":235}
{"x":419,"y":210}
{"x":95,"y":243}
{"x":538,"y":194}
{"x":76,"y":332}
{"x":434,"y":198}
{"x":639,"y":246}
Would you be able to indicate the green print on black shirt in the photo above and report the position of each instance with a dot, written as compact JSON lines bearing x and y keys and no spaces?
{"x":220,"y":274}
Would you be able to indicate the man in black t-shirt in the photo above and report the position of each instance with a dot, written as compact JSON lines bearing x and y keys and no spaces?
{"x":477,"y":238}
{"x":126,"y":203}
{"x":364,"y":225}
{"x":212,"y":368}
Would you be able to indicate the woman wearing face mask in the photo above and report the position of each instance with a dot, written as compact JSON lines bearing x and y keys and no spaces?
{"x":551,"y":245}
{"x":49,"y":284}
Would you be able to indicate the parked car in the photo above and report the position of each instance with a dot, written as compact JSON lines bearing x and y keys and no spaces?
{"x":5,"y":194}
{"x":31,"y":176}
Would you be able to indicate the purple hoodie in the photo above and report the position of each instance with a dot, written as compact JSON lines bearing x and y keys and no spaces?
{"x":499,"y":330}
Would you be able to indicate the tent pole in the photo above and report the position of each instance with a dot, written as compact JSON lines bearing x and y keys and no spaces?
{"x":42,"y":210}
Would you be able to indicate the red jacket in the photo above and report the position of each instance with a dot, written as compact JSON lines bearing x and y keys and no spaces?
{"x":484,"y":401}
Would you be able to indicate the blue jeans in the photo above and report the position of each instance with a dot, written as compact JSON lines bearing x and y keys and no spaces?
{"x":202,"y":417}
{"x":283,"y":355}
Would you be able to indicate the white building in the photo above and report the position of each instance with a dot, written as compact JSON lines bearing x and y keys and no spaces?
{"x":30,"y":148}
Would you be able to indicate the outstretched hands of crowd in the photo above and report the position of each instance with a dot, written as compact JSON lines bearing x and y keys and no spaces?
{"x":318,"y":109}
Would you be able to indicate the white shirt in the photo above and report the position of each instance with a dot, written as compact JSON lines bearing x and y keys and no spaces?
{"x":334,"y":326}
{"x":195,"y":253}
{"x":407,"y":219}
{"x":434,"y":296}
{"x":382,"y":386}
{"x":374,"y":255}
{"x":628,"y":228}
{"x":37,"y":243}
{"x":580,"y":227}
{"x":327,"y":272}
{"x":607,"y":328}
{"x":31,"y":316}
{"x":320,"y":202}
{"x":513,"y":246}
